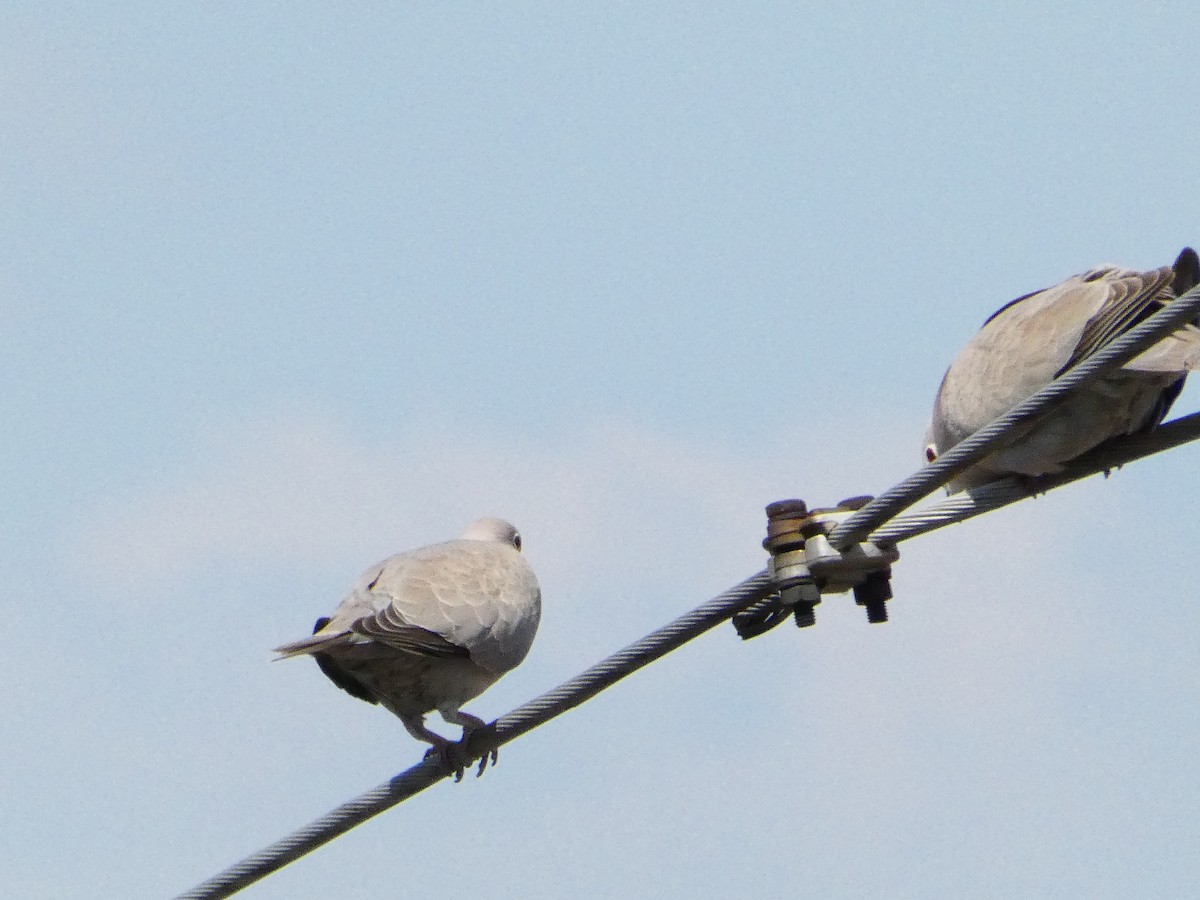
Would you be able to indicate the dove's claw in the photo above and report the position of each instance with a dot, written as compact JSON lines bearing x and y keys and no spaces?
{"x":452,"y":758}
{"x":491,"y":756}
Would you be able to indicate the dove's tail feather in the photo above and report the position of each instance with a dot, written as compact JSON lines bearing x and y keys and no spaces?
{"x":314,"y":644}
{"x":297,"y":648}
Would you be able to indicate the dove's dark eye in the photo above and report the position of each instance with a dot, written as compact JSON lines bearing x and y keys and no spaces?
{"x":517,"y":539}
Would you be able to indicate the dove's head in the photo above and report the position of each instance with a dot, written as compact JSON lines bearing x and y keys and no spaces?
{"x":931,"y":447}
{"x":493,"y":530}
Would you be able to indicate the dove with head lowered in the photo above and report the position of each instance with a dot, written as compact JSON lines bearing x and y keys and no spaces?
{"x":432,"y":628}
{"x":1029,"y":342}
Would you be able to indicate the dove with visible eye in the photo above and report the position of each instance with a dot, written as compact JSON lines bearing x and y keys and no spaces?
{"x":1029,"y":342}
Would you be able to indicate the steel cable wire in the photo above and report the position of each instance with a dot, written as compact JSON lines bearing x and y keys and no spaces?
{"x":507,"y":728}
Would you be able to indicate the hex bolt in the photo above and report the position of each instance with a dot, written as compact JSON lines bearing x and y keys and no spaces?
{"x":783,"y":525}
{"x":802,"y":597}
{"x":806,"y":614}
{"x":873,"y":594}
{"x":786,"y":520}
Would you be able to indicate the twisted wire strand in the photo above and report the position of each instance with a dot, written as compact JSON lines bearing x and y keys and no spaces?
{"x":963,"y":455}
{"x":769,"y":612}
{"x":524,"y":718}
{"x":997,"y":494}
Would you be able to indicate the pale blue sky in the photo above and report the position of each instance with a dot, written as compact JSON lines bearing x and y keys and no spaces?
{"x":286,"y":289}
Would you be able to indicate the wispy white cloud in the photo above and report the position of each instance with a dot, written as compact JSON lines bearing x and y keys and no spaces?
{"x":622,"y":524}
{"x":277,"y":491}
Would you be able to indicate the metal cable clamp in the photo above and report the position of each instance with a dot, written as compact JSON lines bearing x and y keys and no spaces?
{"x":804,"y":566}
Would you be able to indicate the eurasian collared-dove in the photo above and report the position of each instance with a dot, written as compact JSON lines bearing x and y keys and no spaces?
{"x":1027,"y":343}
{"x":431,"y":629}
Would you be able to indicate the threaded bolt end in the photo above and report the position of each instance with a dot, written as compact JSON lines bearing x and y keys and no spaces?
{"x":876,"y":611}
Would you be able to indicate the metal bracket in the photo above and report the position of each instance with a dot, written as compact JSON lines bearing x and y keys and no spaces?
{"x":805,"y":567}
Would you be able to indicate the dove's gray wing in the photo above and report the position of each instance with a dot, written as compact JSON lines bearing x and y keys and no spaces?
{"x":464,"y":597}
{"x":1019,"y":350}
{"x":1129,"y":298}
{"x":1135,"y":296}
{"x":366,"y":614}
{"x":480,"y":595}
